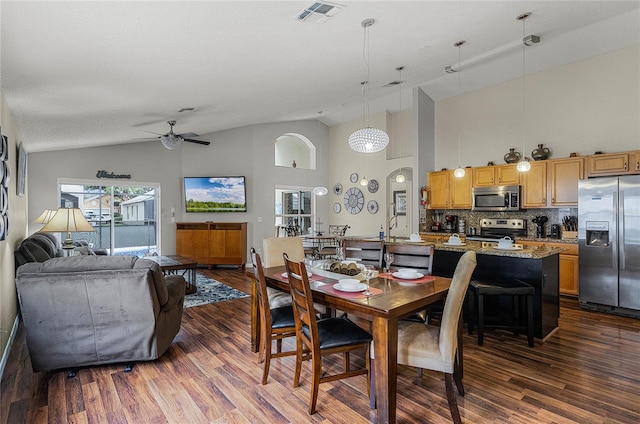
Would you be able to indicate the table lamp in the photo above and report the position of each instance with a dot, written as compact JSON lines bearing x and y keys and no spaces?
{"x":67,"y":220}
{"x":45,"y":216}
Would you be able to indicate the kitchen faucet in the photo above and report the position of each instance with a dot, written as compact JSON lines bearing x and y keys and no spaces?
{"x":393,"y":219}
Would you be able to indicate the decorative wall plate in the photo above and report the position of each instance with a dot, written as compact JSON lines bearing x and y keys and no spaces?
{"x":337,"y":207}
{"x":372,"y":206}
{"x":2,"y":234}
{"x":353,"y":200}
{"x":353,"y":178}
{"x":4,"y":148}
{"x":372,"y":186}
{"x":4,"y":200}
{"x":6,"y":177}
{"x":337,"y":189}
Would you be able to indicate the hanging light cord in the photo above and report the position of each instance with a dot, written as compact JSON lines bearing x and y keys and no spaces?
{"x":365,"y":89}
{"x":459,"y":149}
{"x":524,"y":49}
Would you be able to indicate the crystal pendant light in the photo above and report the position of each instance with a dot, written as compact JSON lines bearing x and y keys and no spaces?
{"x":367,"y":139}
{"x":459,"y":172}
{"x":523,"y":165}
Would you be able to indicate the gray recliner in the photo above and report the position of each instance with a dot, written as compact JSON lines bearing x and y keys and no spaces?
{"x":92,"y":310}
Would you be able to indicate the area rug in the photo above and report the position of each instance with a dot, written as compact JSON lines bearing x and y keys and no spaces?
{"x":211,"y":291}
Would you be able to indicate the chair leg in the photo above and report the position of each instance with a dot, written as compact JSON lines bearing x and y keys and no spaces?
{"x":296,"y":375}
{"x":372,"y":386}
{"x":451,"y":398}
{"x":316,"y":365}
{"x":480,"y":319}
{"x":267,"y":358}
{"x":419,"y":372}
{"x":345,"y":362}
{"x":279,"y":345}
{"x":471,"y":300}
{"x":457,"y":376}
{"x":516,"y":315}
{"x":530,"y":320}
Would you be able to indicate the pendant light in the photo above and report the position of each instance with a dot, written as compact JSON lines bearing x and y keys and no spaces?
{"x":459,"y":171}
{"x":400,"y":178}
{"x":523,"y":165}
{"x":367,"y":139}
{"x":364,"y":182}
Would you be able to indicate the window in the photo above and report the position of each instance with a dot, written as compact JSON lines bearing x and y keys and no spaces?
{"x":294,"y":209}
{"x":124,"y":217}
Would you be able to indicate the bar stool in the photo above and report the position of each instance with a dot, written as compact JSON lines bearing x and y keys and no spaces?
{"x":517,"y":289}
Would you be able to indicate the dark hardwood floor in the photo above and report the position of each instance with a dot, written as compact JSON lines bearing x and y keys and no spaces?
{"x":587,"y":372}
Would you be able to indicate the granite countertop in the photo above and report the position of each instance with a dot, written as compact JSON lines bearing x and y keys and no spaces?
{"x":543,"y":240}
{"x":489,"y":248}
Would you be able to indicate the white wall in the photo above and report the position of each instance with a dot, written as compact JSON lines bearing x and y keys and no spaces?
{"x":247,"y":151}
{"x":582,"y":107}
{"x":17,"y":213}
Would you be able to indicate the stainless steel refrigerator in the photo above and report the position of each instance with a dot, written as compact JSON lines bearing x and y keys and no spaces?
{"x":609,"y":243}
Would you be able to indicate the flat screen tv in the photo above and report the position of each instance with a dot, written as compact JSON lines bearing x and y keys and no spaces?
{"x":215,"y":194}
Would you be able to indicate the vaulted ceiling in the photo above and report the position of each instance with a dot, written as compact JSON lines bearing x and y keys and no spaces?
{"x":79,"y":74}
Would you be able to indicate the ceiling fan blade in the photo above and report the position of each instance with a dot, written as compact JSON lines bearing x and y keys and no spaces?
{"x":151,"y":132}
{"x":189,"y":135}
{"x":190,"y":140}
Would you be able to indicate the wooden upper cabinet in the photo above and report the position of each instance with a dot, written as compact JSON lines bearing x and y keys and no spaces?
{"x":635,"y":163}
{"x":460,"y":190}
{"x":534,"y":186}
{"x":484,"y":176}
{"x":495,"y":175}
{"x":609,"y":164}
{"x":563,"y":181}
{"x":507,"y":175}
{"x":438,"y":183}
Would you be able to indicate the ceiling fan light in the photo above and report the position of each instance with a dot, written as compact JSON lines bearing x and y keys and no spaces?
{"x":171,"y":141}
{"x":368,"y":140}
{"x":320,"y":190}
{"x":459,"y":172}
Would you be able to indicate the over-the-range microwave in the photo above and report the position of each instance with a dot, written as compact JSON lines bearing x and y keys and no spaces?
{"x":496,"y":198}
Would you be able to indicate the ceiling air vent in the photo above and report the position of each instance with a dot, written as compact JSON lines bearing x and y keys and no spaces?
{"x":319,"y":12}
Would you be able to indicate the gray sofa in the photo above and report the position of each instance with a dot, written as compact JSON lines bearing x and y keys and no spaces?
{"x":39,"y":247}
{"x":92,"y":310}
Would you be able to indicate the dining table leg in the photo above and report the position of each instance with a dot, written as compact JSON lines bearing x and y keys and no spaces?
{"x":385,"y":345}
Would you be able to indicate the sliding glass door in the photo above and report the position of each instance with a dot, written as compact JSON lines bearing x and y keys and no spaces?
{"x":124,"y":217}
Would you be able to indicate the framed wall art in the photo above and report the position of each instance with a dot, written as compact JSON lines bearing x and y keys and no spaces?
{"x":400,"y":200}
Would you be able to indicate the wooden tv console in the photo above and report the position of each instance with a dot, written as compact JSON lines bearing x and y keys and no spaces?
{"x":213,"y":243}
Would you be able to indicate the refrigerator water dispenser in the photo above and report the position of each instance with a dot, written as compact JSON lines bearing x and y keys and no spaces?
{"x":597,"y":233}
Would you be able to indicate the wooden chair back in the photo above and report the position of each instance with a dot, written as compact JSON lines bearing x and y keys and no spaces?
{"x":368,"y":252}
{"x":303,"y":310}
{"x":261,"y":291}
{"x":418,"y":256}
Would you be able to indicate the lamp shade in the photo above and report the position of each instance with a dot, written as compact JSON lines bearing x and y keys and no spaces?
{"x":45,"y":216}
{"x":171,"y":141}
{"x":368,"y":140}
{"x":67,"y":220}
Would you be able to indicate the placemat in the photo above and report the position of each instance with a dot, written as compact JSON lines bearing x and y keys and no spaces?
{"x":284,"y":279}
{"x":424,"y":279}
{"x":351,"y":295}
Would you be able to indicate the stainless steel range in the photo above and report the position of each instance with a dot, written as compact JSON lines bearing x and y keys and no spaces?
{"x":492,"y":229}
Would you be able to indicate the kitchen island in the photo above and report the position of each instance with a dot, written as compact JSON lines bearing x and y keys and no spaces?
{"x":535,"y":265}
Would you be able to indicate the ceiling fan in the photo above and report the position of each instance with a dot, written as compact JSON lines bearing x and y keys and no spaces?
{"x":172,"y":141}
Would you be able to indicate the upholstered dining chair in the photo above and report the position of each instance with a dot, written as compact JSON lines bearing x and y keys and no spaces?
{"x":275,"y":323}
{"x":316,"y":338}
{"x":418,"y":256}
{"x":369,"y":252}
{"x":436,"y":348}
{"x":272,"y":250}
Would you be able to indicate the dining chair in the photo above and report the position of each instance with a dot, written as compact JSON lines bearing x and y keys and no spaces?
{"x":275,"y":323}
{"x":272,"y":250}
{"x":436,"y":347}
{"x":338,"y":231}
{"x":316,"y":338}
{"x":416,"y":256}
{"x":368,"y":252}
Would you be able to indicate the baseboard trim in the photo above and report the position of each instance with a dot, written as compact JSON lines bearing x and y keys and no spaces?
{"x":7,"y":350}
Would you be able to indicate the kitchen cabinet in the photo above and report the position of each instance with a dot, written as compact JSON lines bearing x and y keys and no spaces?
{"x":568,"y":265}
{"x":495,"y":175}
{"x":434,"y":238}
{"x":534,"y":186}
{"x":613,"y":164}
{"x":563,"y":181}
{"x":213,"y":243}
{"x":449,"y":192}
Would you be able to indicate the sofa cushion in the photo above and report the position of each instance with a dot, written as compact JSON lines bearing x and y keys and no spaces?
{"x":80,"y":264}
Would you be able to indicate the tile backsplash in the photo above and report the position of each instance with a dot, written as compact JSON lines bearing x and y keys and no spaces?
{"x":472,"y":219}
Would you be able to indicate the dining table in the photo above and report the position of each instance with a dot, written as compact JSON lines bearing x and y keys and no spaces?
{"x":392,"y":299}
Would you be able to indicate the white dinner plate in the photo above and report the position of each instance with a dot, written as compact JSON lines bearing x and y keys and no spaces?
{"x":508,"y":248}
{"x":446,"y":243}
{"x":415,"y":277}
{"x":352,"y":288}
{"x":286,"y":275}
